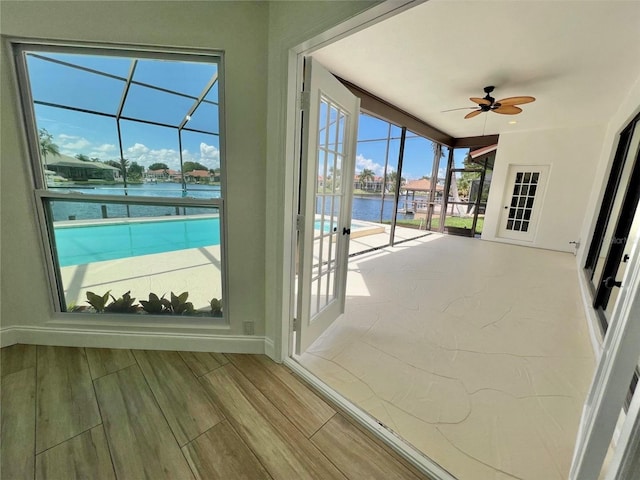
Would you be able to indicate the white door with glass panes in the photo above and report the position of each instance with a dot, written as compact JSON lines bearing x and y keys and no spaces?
{"x":522,"y":201}
{"x":329,"y":135}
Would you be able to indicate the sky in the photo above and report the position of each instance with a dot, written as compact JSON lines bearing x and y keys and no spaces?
{"x":417,"y":157}
{"x":97,"y":137}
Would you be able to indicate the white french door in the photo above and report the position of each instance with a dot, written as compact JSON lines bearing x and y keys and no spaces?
{"x":522,"y":201}
{"x":329,"y":134}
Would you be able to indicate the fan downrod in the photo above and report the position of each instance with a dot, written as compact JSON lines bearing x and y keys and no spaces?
{"x":489,"y":98}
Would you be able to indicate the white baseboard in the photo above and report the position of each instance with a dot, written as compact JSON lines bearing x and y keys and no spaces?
{"x":68,"y":337}
{"x":269,"y":348}
{"x":8,"y":336}
{"x":593,"y":322}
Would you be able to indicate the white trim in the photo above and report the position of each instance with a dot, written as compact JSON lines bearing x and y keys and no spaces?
{"x":619,"y":358}
{"x":593,"y":322}
{"x":70,"y":337}
{"x":8,"y":336}
{"x":269,"y":349}
{"x":18,"y":48}
{"x":625,"y":454}
{"x":398,"y":444}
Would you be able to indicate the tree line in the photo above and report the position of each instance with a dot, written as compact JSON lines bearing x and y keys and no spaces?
{"x":131,"y":171}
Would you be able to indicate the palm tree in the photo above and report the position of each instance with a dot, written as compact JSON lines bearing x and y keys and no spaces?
{"x":47,"y":147}
{"x":366,"y":176}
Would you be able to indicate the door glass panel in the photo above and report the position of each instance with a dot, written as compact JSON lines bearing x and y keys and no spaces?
{"x":332,"y":123}
{"x":617,"y":204}
{"x":622,"y":266}
{"x":522,"y":201}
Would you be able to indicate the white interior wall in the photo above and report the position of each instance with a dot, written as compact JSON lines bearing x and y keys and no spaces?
{"x":573,"y":155}
{"x":629,"y":108}
{"x":237,"y":28}
{"x":291,"y":24}
{"x":256,"y":38}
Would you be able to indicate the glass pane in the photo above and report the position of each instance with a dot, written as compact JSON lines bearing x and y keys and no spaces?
{"x":83,"y":151}
{"x":416,"y":210}
{"x":332,"y":128}
{"x":189,"y":78}
{"x":212,"y":96}
{"x":139,"y":100}
{"x":634,"y":232}
{"x":617,"y":205}
{"x":372,"y":128}
{"x":111,"y":65}
{"x":75,"y":148}
{"x":324,"y":298}
{"x":64,"y":85}
{"x":99,"y":247}
{"x":315,"y":285}
{"x":205,"y":118}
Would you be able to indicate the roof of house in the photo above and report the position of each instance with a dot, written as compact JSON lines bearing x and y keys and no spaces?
{"x":198,"y":173}
{"x":162,"y":171}
{"x":422,"y":185}
{"x":67,"y":161}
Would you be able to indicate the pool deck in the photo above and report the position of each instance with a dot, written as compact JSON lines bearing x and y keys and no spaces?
{"x":193,"y":270}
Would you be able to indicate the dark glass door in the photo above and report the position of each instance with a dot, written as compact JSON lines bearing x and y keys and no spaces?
{"x":617,"y":225}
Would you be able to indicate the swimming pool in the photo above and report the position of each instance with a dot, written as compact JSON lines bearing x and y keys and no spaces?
{"x":98,"y":241}
{"x":79,"y":242}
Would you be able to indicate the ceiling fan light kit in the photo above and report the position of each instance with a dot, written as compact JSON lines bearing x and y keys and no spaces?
{"x":506,"y":106}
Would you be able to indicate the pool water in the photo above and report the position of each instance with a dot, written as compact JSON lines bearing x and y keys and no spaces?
{"x":96,"y":242}
{"x":82,"y":244}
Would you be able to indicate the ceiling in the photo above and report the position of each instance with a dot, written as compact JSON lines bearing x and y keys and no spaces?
{"x":578,"y":58}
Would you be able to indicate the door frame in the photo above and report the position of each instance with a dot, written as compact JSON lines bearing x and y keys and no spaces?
{"x":286,"y":118}
{"x":608,"y":392}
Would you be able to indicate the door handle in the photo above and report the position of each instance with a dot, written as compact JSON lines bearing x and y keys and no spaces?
{"x":625,"y":259}
{"x":610,"y":282}
{"x":346,"y":231}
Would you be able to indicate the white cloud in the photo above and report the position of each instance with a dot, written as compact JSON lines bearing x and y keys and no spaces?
{"x":71,"y":144}
{"x":137,"y":150}
{"x":362,"y":163}
{"x":105,"y":148}
{"x":209,"y":155}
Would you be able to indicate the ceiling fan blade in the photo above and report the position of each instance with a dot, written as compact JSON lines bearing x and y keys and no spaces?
{"x":480,"y":101}
{"x":473,"y":114}
{"x":454,"y":109}
{"x":516,"y":100}
{"x":507,"y":110}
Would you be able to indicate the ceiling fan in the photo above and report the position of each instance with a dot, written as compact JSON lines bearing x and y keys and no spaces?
{"x":506,"y":106}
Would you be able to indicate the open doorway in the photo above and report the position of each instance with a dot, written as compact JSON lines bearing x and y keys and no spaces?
{"x":429,"y":338}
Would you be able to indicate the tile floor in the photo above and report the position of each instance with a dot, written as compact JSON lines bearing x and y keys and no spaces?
{"x":477,"y":353}
{"x":97,"y":413}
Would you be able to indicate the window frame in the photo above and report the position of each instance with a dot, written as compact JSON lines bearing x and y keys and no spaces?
{"x":41,"y":194}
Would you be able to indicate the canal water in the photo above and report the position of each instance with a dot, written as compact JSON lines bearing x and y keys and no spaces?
{"x":367,"y":208}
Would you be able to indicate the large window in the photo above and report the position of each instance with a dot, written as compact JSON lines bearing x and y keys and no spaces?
{"x":393,"y":184}
{"x":128,"y":168}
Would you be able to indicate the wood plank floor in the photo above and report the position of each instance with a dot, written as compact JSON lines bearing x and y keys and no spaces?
{"x":101,"y":413}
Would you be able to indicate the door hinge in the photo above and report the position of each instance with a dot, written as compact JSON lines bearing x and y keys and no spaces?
{"x":304,"y":100}
{"x":295,"y":324}
{"x":300,"y":222}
